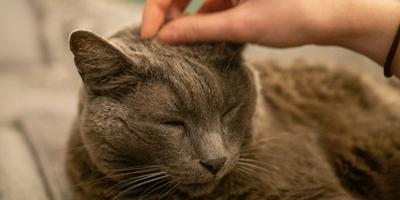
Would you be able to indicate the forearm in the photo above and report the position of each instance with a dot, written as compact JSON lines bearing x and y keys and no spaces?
{"x":368,"y":27}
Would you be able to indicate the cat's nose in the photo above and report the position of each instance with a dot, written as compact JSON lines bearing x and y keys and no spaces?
{"x":213,"y":165}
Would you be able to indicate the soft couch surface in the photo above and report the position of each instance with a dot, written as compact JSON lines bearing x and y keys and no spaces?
{"x":32,"y":158}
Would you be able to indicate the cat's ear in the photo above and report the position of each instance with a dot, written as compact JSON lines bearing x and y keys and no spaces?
{"x":98,"y":62}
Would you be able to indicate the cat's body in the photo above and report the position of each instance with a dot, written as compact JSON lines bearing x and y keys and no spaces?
{"x":284,"y":134}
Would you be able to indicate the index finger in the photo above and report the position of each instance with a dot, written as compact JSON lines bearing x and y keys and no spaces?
{"x":154,"y":15}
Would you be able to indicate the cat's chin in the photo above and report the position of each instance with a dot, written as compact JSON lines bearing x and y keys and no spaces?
{"x":198,"y":189}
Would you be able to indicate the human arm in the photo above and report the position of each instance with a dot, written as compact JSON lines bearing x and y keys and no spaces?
{"x":364,"y":26}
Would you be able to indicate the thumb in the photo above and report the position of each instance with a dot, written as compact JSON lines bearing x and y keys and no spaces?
{"x":218,"y":26}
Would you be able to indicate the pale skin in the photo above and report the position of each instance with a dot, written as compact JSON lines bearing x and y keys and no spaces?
{"x":364,"y":26}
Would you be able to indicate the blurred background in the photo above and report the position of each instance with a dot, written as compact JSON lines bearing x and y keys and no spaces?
{"x":39,"y":83}
{"x":36,"y":69}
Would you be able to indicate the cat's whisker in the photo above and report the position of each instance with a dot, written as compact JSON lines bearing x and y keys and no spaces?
{"x":259,"y":162}
{"x":144,"y":172}
{"x":170,"y":191}
{"x":128,"y":171}
{"x":241,"y":170}
{"x":248,"y":160}
{"x":134,"y":169}
{"x":113,"y":175}
{"x":94,"y":180}
{"x":129,"y":181}
{"x":149,"y":192}
{"x":252,"y":173}
{"x":254,"y":166}
{"x":260,"y":144}
{"x":150,"y":189}
{"x":138,"y":185}
{"x":254,"y":157}
{"x":133,"y":180}
{"x":97,"y":181}
{"x":256,"y":176}
{"x":249,"y":172}
{"x":100,"y":180}
{"x":248,"y":155}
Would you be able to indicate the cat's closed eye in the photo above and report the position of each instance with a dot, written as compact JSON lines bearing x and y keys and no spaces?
{"x":231,"y":110}
{"x":174,"y":123}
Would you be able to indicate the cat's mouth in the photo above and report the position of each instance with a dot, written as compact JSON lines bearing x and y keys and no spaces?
{"x":198,"y":189}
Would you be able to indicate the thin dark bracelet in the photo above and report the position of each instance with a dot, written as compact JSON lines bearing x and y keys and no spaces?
{"x":390,"y":57}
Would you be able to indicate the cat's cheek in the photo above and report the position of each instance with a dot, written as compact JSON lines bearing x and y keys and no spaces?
{"x":232,"y":127}
{"x":235,"y":140}
{"x":237,"y":130}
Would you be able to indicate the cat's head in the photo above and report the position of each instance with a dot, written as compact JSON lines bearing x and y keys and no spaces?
{"x":163,"y":113}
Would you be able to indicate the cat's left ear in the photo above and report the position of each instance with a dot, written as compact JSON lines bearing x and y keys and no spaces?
{"x":97,"y":60}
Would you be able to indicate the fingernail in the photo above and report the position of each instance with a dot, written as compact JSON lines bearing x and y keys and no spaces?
{"x":145,"y":35}
{"x":147,"y":31}
{"x":144,"y":32}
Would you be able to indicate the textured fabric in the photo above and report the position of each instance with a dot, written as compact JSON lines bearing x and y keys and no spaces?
{"x":32,"y":158}
{"x":19,"y":178}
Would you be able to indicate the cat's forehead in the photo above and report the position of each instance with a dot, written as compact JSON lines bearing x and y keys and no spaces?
{"x":184,"y":60}
{"x":130,"y":42}
{"x":188,"y":79}
{"x":217,"y":53}
{"x":194,"y":73}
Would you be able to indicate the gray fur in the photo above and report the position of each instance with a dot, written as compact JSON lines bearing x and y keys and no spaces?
{"x":161,"y":109}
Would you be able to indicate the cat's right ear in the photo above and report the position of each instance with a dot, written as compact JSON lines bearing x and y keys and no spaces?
{"x":98,"y":62}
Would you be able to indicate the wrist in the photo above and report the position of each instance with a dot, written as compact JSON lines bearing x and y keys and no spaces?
{"x":364,"y":26}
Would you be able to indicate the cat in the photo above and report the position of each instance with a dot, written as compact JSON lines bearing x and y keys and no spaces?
{"x":199,"y":122}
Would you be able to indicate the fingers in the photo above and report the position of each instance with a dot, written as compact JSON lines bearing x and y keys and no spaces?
{"x":203,"y":27}
{"x":200,"y":27}
{"x":155,"y":13}
{"x":153,"y":16}
{"x":177,"y":8}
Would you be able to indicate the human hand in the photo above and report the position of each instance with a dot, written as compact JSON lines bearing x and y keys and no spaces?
{"x":278,"y":23}
{"x":365,"y":26}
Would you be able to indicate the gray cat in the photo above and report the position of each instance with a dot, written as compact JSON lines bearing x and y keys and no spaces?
{"x":196,"y":122}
